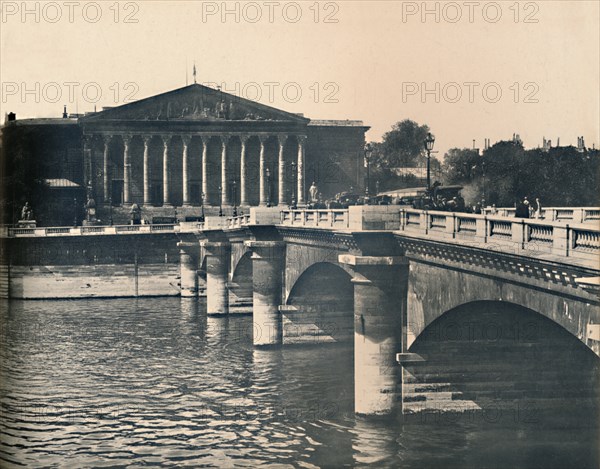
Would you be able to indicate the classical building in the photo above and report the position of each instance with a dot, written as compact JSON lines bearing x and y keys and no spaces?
{"x":191,"y":147}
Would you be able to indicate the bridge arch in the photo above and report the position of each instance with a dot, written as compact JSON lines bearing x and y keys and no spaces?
{"x":505,"y":359}
{"x":434,"y":290}
{"x":320,"y":305}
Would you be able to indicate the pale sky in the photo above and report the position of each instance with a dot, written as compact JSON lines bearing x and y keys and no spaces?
{"x":348,"y":59}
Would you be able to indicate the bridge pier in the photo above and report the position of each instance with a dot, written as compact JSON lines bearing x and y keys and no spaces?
{"x":188,"y":268}
{"x":380,"y":296}
{"x":267,"y":285}
{"x":217,"y":261}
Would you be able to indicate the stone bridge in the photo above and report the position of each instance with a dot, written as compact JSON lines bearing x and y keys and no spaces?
{"x":411,"y":288}
{"x":447,"y":311}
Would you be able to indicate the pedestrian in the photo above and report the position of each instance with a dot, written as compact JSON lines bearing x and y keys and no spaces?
{"x":528,"y":207}
{"x":522,"y":210}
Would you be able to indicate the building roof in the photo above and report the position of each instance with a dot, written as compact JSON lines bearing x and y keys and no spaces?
{"x":60,"y":183}
{"x":194,"y":103}
{"x":336,"y":123}
{"x":43,"y":121}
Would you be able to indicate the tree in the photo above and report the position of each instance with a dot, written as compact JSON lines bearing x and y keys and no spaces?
{"x":506,"y":172}
{"x":403,"y":145}
{"x":460,"y":165}
{"x":400,"y":147}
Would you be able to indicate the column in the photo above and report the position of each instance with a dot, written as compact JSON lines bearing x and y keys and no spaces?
{"x":166,"y":200}
{"x":186,"y":181}
{"x":267,"y":282}
{"x":205,"y":139}
{"x":224,"y":181}
{"x":147,"y":196}
{"x":262,"y":169}
{"x":188,"y":268}
{"x":281,"y":163}
{"x":380,"y":295}
{"x":217,"y":262}
{"x":243,"y":188}
{"x":106,"y":180}
{"x":300,"y":188}
{"x":126,"y":170}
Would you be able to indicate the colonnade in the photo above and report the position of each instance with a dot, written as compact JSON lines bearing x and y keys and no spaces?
{"x":187,"y":171}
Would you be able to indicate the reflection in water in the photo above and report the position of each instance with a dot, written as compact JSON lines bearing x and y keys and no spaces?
{"x":154,"y":381}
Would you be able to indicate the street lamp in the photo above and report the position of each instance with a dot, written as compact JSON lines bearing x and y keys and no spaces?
{"x":429,"y":141}
{"x":293,"y":165}
{"x":483,"y":174}
{"x":220,"y":202}
{"x":202,"y":195}
{"x":75,"y":212}
{"x":234,"y":194}
{"x":368,"y":154}
{"x":268,"y":171}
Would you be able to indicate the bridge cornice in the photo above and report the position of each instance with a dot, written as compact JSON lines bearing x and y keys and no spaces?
{"x":342,"y":241}
{"x":515,"y":268}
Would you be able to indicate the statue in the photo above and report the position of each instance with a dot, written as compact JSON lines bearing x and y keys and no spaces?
{"x":221,"y":110}
{"x":136,"y":214}
{"x":313,"y":192}
{"x":90,"y":209}
{"x":26,"y":212}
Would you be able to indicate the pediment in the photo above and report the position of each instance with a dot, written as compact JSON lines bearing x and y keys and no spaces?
{"x":195,"y":103}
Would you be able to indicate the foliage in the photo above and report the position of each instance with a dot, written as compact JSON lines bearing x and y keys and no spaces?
{"x":506,"y":172}
{"x":401,"y":147}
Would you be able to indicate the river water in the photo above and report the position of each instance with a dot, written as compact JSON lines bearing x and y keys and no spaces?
{"x":154,"y":382}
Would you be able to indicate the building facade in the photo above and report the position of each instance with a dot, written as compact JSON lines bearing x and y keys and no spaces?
{"x":192,"y":147}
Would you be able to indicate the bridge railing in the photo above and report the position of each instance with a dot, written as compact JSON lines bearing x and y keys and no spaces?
{"x":238,"y":221}
{"x":332,"y":218}
{"x":558,"y":238}
{"x":565,"y":214}
{"x":96,"y":230}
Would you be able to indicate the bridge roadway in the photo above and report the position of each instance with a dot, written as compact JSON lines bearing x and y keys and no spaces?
{"x":387,"y":278}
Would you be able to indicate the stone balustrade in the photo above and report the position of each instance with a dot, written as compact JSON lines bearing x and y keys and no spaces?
{"x":564,"y":214}
{"x":500,"y":232}
{"x":102,"y":230}
{"x":334,"y":218}
{"x":554,"y":237}
{"x":238,"y":221}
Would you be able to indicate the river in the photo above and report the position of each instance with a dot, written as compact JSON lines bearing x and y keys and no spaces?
{"x":154,"y":382}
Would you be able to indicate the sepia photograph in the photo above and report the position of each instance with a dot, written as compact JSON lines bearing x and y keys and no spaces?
{"x":300,"y":234}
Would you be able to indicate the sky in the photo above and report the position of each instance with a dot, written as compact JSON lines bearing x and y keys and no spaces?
{"x":469,"y":70}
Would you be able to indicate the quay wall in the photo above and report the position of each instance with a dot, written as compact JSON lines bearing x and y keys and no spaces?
{"x":91,"y":266}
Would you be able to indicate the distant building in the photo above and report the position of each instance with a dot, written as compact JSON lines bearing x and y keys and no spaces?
{"x":418,"y":173}
{"x":190,"y":146}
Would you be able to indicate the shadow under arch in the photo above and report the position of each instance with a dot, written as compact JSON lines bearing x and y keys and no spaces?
{"x":507,"y":360}
{"x":320,"y":306}
{"x":240,"y":286}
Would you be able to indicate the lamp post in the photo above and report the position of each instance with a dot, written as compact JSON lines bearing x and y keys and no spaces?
{"x":429,"y":141}
{"x":233,"y":197}
{"x":220,"y":202}
{"x":202,"y":195}
{"x":75,"y":212}
{"x":483,"y":174}
{"x":293,"y":165}
{"x":268,"y":171}
{"x":368,"y":153}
